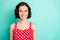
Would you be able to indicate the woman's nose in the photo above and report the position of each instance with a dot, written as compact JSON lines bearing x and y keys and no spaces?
{"x":23,"y":12}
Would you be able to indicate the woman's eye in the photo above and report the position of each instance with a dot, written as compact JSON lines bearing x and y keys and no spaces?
{"x":20,"y":11}
{"x":25,"y":10}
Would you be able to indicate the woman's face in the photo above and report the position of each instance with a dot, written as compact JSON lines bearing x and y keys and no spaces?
{"x":23,"y":12}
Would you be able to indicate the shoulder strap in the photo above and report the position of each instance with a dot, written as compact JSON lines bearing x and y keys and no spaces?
{"x":15,"y":25}
{"x":30,"y":24}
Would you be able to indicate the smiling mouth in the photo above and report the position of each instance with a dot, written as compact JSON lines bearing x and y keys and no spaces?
{"x":23,"y":16}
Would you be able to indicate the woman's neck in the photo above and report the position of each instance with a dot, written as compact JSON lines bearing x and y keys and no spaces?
{"x":23,"y":21}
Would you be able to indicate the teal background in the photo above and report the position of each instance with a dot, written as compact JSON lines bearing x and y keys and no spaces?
{"x":45,"y":14}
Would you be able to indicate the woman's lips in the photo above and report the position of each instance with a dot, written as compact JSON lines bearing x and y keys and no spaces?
{"x":24,"y":16}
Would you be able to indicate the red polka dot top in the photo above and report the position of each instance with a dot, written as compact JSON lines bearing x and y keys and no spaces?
{"x":26,"y":34}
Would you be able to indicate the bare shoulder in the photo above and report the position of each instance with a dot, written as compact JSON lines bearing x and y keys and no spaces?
{"x":12,"y":26}
{"x":33,"y":26}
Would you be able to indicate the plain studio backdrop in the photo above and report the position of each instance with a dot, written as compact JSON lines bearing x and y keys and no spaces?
{"x":45,"y":14}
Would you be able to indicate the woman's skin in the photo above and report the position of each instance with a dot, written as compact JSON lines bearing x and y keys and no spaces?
{"x":23,"y":23}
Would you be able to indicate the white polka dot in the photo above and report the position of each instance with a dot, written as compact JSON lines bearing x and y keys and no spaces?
{"x":16,"y":32}
{"x":19,"y":35}
{"x":19,"y":38}
{"x":26,"y":38}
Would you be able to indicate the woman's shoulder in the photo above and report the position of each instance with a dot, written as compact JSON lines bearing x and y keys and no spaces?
{"x":33,"y":25}
{"x":12,"y":26}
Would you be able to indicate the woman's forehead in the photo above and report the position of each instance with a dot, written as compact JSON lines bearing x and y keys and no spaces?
{"x":24,"y":7}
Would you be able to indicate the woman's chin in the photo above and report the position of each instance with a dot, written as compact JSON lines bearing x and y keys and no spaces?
{"x":23,"y":18}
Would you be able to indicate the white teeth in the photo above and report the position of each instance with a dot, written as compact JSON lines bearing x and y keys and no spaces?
{"x":23,"y":16}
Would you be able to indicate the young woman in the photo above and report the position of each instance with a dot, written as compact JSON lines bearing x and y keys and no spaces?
{"x":23,"y":29}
